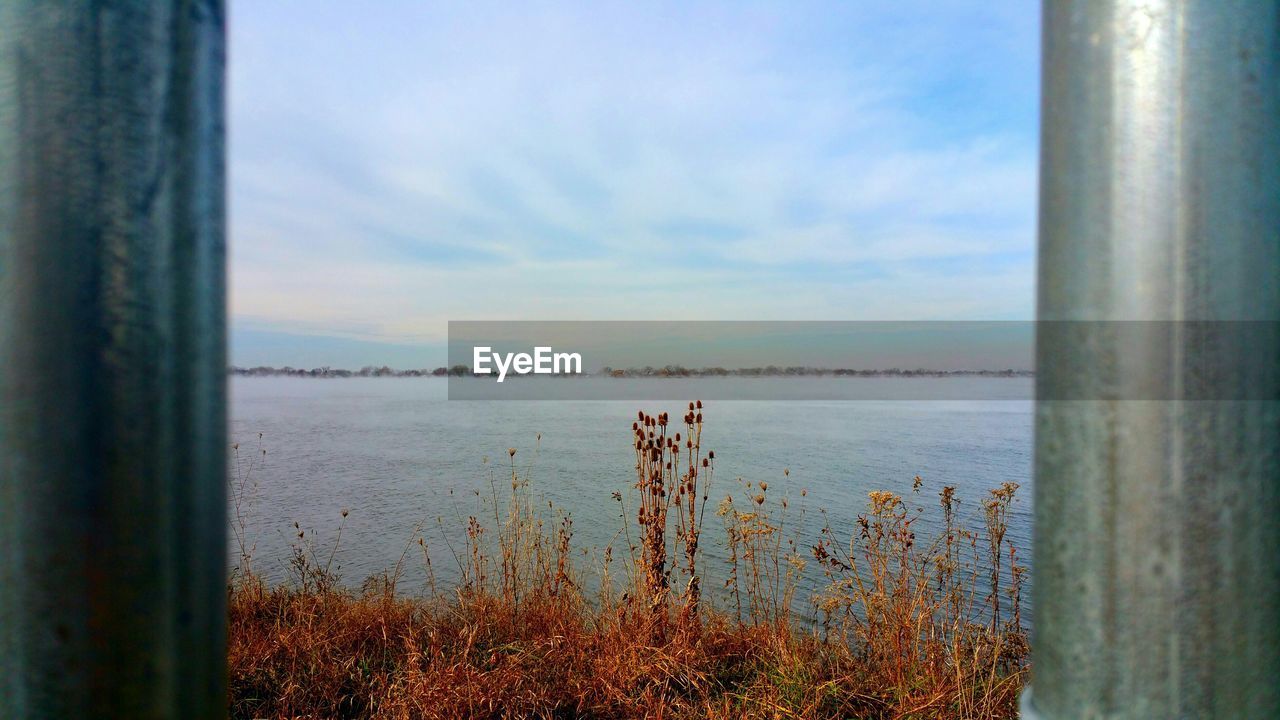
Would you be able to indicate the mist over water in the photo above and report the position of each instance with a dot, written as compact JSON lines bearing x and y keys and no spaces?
{"x":396,"y":452}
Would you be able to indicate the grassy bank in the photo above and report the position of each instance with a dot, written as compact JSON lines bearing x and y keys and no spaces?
{"x":907,"y":628}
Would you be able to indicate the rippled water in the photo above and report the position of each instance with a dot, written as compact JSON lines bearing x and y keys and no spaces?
{"x":395,"y":452}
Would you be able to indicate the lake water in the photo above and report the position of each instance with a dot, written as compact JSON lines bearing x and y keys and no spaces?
{"x":395,"y":452}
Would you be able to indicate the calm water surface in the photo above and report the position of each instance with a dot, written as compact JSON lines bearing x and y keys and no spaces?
{"x":396,"y":453}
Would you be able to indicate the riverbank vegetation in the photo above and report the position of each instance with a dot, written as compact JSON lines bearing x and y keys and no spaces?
{"x":666,"y":371}
{"x":536,"y":628}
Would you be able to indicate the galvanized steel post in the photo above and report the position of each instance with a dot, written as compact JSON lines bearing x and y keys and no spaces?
{"x":1157,"y":541}
{"x":112,"y":359}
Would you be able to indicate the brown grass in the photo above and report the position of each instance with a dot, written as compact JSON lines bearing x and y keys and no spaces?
{"x":907,"y":629}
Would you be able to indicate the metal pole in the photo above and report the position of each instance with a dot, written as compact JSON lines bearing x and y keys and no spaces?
{"x":1157,"y":542}
{"x":112,"y":359}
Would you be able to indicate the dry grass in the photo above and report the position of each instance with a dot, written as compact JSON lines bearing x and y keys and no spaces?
{"x":908,"y":629}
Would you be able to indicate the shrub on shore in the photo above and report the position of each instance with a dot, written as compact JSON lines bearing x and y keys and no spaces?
{"x":908,"y":629}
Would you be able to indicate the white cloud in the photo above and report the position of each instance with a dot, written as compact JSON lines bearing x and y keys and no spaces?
{"x":398,"y":165}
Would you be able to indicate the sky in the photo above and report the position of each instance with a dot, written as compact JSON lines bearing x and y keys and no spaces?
{"x":395,"y":165}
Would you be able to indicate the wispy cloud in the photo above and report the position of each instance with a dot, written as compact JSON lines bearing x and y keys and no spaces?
{"x":399,"y":164}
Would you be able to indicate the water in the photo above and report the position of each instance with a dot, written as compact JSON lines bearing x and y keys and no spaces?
{"x":395,"y":452}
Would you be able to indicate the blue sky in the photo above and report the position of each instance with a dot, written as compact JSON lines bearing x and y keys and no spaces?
{"x":395,"y":165}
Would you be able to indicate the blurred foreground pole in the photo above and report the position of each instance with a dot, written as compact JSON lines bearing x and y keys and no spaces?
{"x":1157,"y":545}
{"x":112,"y":359}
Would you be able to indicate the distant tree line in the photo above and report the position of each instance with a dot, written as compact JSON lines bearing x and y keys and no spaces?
{"x":801,"y":371}
{"x":667,"y":371}
{"x":366,"y":371}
